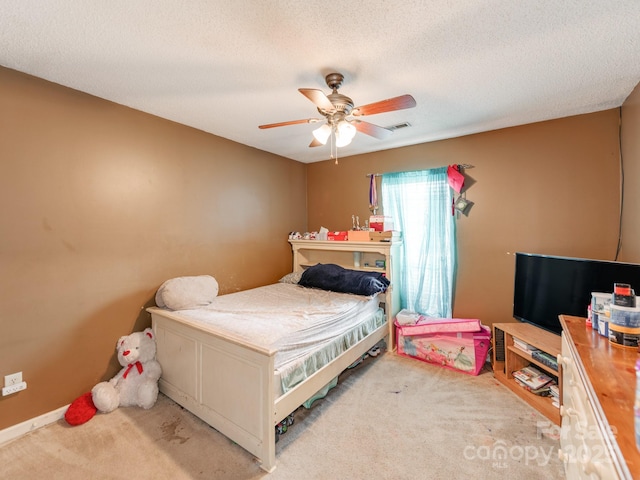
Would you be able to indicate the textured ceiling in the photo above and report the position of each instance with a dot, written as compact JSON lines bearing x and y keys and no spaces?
{"x":226,"y":67}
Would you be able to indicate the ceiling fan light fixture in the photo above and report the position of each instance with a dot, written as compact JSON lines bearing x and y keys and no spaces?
{"x":346,"y":129}
{"x":322,"y":133}
{"x":345,"y":132}
{"x":342,"y":141}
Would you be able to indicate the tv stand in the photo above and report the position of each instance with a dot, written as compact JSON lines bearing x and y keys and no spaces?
{"x":507,"y":358}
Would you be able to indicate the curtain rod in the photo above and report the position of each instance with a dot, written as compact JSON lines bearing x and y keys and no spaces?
{"x":465,"y":166}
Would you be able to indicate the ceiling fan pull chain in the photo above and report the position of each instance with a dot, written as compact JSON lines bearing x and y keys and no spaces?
{"x":334,"y":146}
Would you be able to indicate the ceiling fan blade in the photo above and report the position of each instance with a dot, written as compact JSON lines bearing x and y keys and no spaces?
{"x":318,"y":98}
{"x":291,"y":122}
{"x":315,"y":143}
{"x":389,"y":105}
{"x":372,"y":130}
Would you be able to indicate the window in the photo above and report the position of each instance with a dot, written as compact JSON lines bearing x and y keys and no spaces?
{"x":420,"y":203}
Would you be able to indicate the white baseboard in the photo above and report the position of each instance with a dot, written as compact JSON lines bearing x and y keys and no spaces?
{"x":15,"y":431}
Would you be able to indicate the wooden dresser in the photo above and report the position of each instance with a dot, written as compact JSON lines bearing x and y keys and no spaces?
{"x":598,"y":394}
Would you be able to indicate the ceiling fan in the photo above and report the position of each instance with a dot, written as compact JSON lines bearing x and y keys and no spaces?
{"x":342,"y":118}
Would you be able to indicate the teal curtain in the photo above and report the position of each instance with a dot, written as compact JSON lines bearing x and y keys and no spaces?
{"x":420,"y":203}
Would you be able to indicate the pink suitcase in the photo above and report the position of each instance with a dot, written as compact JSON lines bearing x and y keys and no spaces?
{"x":439,"y":343}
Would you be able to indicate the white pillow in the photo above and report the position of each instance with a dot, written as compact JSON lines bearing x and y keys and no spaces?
{"x":291,"y":278}
{"x":183,"y":293}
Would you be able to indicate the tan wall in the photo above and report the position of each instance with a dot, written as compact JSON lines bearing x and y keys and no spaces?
{"x":630,"y":251}
{"x":99,"y":205}
{"x":550,"y":188}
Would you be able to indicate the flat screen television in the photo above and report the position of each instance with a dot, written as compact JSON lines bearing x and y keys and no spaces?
{"x":547,"y":286}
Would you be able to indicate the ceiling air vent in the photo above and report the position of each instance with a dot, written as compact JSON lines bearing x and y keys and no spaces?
{"x":399,"y":126}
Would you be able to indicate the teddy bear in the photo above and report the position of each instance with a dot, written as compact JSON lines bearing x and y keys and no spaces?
{"x":136,"y":384}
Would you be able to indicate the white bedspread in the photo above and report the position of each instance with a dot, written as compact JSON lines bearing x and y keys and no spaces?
{"x":308,"y":327}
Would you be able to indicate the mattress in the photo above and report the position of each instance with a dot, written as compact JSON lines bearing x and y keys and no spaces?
{"x":307,"y":327}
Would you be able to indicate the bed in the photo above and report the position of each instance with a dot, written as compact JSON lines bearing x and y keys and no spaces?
{"x":245,"y":361}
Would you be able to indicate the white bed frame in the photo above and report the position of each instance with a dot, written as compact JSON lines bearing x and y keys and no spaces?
{"x":230,"y":384}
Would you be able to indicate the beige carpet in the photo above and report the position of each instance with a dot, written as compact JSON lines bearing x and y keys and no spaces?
{"x":388,"y":418}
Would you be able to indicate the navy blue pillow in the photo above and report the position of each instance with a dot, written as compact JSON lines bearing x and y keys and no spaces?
{"x":329,"y":276}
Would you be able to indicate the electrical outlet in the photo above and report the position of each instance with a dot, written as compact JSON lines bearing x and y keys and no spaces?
{"x":13,"y":379}
{"x":14,"y":388}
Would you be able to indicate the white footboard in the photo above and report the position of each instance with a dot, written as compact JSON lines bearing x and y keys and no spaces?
{"x":229,"y":384}
{"x":225,"y":383}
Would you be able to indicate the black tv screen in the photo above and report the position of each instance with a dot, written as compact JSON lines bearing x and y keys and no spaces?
{"x":547,"y":286}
